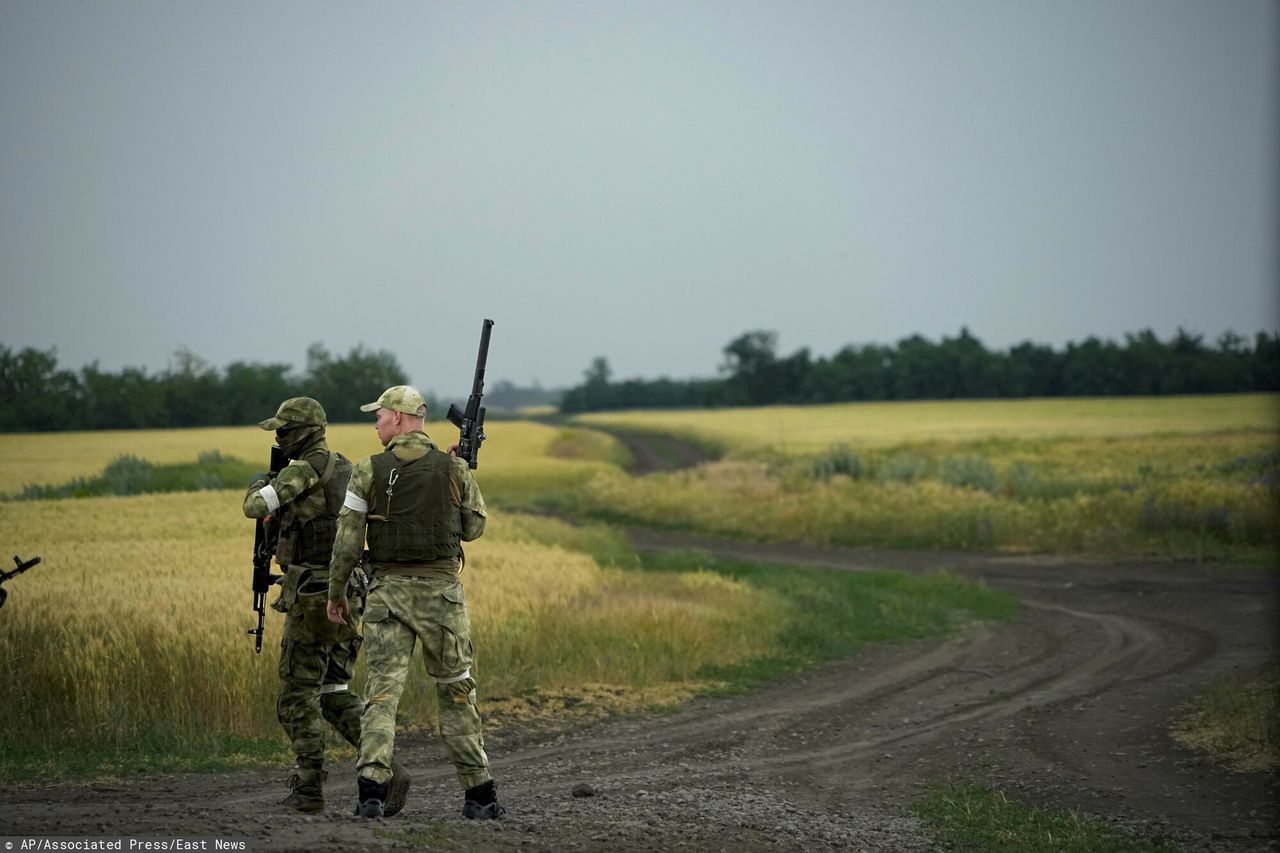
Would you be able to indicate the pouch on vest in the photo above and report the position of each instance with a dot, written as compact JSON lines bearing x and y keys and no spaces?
{"x":288,"y":589}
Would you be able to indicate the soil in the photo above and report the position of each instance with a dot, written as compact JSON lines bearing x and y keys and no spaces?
{"x":1066,"y":706}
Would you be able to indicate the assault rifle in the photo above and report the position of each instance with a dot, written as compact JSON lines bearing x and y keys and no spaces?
{"x":265,"y":533}
{"x":471,"y":421}
{"x":22,"y":566}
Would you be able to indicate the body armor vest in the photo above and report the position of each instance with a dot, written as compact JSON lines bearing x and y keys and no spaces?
{"x":310,"y":540}
{"x":412,"y":515}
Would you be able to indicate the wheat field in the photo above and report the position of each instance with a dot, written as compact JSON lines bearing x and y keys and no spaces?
{"x":135,"y":623}
{"x":136,"y":620}
{"x":807,"y":430}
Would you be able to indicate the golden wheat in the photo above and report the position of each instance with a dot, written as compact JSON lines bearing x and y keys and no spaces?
{"x":515,"y":450}
{"x":805,"y":430}
{"x":136,"y":620}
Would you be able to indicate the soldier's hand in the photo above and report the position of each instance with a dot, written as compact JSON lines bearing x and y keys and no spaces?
{"x":454,"y":448}
{"x":338,"y":610}
{"x":260,"y":479}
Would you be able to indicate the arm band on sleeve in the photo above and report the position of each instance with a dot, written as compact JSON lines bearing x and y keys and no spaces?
{"x":355,"y":502}
{"x":466,"y":673}
{"x":269,"y":495}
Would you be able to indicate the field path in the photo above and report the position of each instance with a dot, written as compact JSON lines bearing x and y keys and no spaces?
{"x":1067,"y":706}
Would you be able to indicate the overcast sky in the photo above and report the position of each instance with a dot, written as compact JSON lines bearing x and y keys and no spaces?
{"x":639,"y":180}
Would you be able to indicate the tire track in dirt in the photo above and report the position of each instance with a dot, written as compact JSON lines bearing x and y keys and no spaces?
{"x":1067,"y":706}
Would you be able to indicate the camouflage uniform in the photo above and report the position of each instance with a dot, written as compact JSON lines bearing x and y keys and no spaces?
{"x":317,"y":657}
{"x":414,"y":600}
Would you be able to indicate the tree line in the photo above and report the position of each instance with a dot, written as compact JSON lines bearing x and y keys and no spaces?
{"x":916,"y":368}
{"x":37,"y":396}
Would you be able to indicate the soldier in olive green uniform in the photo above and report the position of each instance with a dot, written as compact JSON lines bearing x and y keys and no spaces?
{"x":317,"y":657}
{"x":416,"y":504}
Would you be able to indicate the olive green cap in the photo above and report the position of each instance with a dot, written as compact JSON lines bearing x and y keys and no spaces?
{"x":296,"y":410}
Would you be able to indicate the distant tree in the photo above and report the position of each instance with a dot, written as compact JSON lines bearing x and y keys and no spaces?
{"x":193,"y":392}
{"x":34,"y":394}
{"x":1265,"y":364}
{"x":1032,"y":370}
{"x":749,"y":364}
{"x":1092,"y":368}
{"x":252,"y":392}
{"x":343,"y":385}
{"x":919,"y":370}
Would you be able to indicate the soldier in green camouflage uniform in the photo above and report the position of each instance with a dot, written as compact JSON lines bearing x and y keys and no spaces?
{"x":416,"y":504}
{"x":317,"y":657}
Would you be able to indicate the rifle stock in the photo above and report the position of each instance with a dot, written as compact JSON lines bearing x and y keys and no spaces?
{"x":264,"y":546}
{"x":470,"y":423}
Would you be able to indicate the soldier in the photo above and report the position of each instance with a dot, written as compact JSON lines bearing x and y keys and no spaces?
{"x":417,"y":505}
{"x":316,"y":657}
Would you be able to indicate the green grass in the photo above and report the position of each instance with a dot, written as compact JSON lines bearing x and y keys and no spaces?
{"x":829,"y":615}
{"x":176,"y":752}
{"x":982,"y":819}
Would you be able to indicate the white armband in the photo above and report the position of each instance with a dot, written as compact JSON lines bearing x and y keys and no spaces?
{"x":269,"y":495}
{"x":355,"y":502}
{"x":466,"y":673}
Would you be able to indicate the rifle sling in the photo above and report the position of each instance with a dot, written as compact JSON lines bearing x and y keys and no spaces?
{"x":330,"y":462}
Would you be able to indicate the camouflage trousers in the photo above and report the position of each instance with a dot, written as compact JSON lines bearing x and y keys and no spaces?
{"x":317,"y":661}
{"x":400,"y":612}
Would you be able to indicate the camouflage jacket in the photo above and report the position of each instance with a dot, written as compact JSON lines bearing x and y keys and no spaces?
{"x":349,"y":544}
{"x":264,"y":499}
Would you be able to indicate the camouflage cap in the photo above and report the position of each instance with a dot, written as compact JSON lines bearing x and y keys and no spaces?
{"x":296,"y":410}
{"x":399,"y":398}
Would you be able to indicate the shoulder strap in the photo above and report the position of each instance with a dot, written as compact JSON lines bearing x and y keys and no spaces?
{"x":331,"y":460}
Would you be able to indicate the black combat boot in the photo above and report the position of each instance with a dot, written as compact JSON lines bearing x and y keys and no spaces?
{"x":372,"y":797}
{"x":398,"y":789}
{"x":481,"y":803}
{"x":306,"y":790}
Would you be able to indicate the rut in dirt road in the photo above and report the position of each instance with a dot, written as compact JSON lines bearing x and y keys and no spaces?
{"x":1070,"y":703}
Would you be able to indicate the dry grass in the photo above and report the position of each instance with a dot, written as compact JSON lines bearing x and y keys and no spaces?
{"x":1237,"y":721}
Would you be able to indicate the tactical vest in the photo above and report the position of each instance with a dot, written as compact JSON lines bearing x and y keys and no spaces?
{"x":412,"y":515}
{"x":311,"y":540}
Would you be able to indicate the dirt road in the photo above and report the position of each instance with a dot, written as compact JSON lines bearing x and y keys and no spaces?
{"x":1065,"y":706}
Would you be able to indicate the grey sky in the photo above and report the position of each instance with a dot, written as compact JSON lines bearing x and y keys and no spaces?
{"x":640,"y":180}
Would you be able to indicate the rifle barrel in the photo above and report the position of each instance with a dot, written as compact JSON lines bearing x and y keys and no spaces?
{"x":477,"y":385}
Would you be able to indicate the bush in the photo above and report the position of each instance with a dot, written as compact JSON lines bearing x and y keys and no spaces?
{"x":126,"y":475}
{"x":838,"y":460}
{"x":904,"y":468}
{"x":969,"y":472}
{"x":1027,"y":482}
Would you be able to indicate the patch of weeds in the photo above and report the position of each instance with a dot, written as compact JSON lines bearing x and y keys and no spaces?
{"x":980,"y":819}
{"x":904,"y":468}
{"x":833,"y":614}
{"x":156,"y":753}
{"x":1026,"y":482}
{"x":969,"y":472}
{"x":1236,"y":721}
{"x":840,"y":459}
